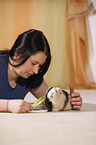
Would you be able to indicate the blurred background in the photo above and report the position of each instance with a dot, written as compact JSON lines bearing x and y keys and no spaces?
{"x":69,"y":26}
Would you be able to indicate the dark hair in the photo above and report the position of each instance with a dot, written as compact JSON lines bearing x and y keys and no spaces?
{"x":30,"y":43}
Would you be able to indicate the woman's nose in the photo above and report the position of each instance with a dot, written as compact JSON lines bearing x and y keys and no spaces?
{"x":36,"y":69}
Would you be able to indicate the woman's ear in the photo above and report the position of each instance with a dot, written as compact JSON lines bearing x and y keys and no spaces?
{"x":16,"y":55}
{"x":15,"y":59}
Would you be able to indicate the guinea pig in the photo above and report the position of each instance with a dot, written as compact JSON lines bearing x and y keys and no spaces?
{"x":57,"y":99}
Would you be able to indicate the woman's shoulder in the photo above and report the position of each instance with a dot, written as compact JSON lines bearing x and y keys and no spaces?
{"x":2,"y":53}
{"x":3,"y":58}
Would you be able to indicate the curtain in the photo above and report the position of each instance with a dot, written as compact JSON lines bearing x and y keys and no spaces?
{"x":50,"y":16}
{"x":77,"y":10}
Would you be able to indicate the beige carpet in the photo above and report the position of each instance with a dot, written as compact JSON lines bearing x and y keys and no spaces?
{"x":48,"y":128}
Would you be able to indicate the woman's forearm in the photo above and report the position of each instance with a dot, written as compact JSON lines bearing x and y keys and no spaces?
{"x":15,"y":106}
{"x":40,"y":91}
{"x":3,"y":105}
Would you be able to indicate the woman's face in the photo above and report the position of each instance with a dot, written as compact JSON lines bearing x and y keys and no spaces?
{"x":31,"y":66}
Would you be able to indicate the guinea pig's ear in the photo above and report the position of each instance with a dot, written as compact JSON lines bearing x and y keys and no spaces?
{"x":48,"y":104}
{"x":66,"y":93}
{"x":67,"y":98}
{"x":48,"y":90}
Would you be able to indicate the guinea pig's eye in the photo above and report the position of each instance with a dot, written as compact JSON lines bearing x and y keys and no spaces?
{"x":51,"y":96}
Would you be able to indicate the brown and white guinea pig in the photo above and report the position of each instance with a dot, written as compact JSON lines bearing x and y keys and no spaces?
{"x":57,"y":99}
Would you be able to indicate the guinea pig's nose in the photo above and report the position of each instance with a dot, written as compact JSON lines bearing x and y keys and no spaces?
{"x":60,"y":91}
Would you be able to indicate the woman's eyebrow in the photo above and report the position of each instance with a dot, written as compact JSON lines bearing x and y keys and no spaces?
{"x":38,"y":62}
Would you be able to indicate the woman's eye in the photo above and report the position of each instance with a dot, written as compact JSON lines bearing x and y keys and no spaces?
{"x":40,"y":65}
{"x":33,"y":64}
{"x":36,"y":64}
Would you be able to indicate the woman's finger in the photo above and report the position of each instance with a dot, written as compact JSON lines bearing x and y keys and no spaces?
{"x":76,"y":99}
{"x":28,"y":106}
{"x":73,"y":95}
{"x":76,"y":107}
{"x":71,"y":89}
{"x":76,"y":103}
{"x":23,"y":110}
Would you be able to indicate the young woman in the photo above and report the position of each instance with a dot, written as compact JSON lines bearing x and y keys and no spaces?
{"x":22,"y":69}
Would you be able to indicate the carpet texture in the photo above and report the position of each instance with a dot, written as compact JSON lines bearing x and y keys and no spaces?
{"x":40,"y":127}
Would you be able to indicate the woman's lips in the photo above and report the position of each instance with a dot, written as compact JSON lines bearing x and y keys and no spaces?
{"x":28,"y":74}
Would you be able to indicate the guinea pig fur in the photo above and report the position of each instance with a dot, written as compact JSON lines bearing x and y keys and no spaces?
{"x":57,"y":99}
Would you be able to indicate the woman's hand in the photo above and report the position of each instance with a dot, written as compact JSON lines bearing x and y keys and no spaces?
{"x":76,"y":100}
{"x":19,"y":106}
